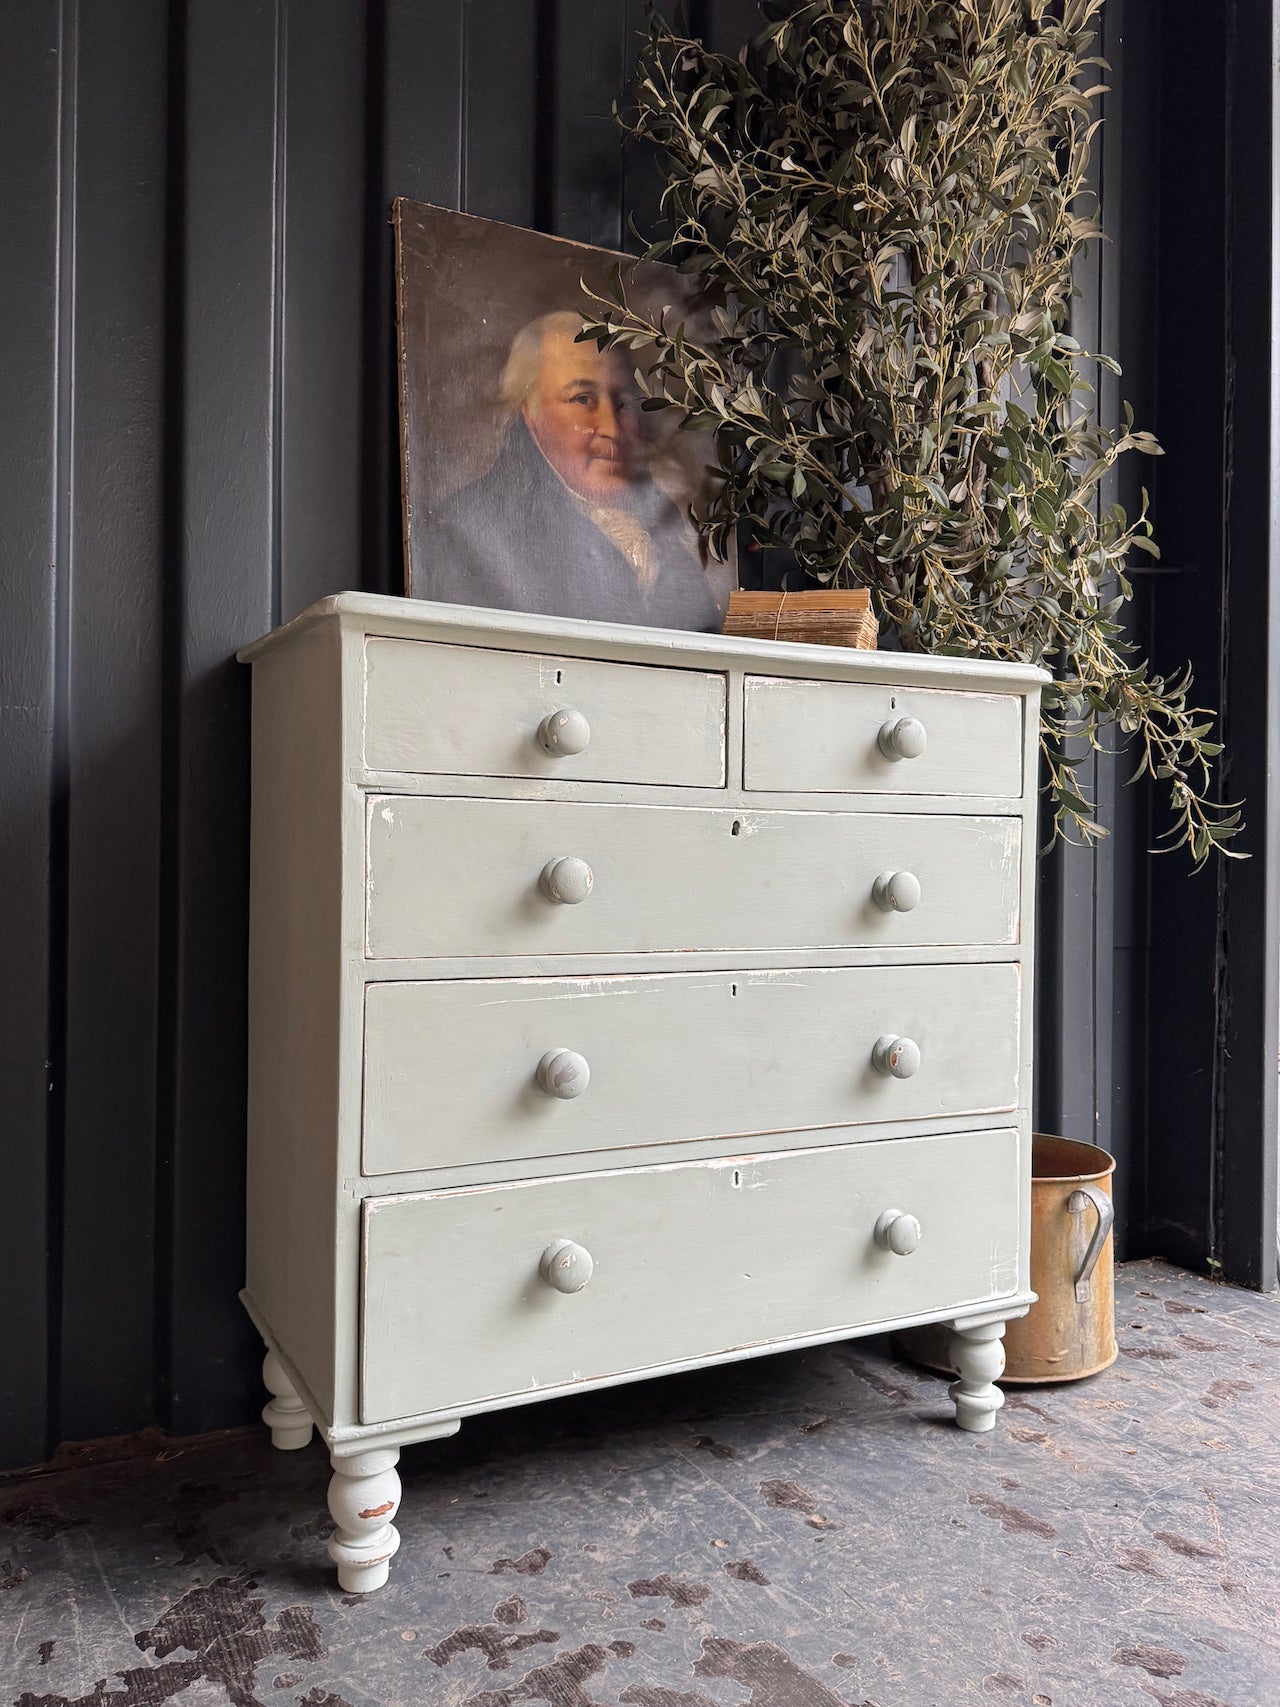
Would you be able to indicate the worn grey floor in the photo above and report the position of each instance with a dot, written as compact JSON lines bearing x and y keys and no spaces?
{"x":801,"y":1531}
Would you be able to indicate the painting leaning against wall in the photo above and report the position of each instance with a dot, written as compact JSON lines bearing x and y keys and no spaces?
{"x":533,"y":479}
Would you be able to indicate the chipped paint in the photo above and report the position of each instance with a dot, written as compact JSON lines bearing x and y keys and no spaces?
{"x":1011,"y":1518}
{"x":670,"y":1588}
{"x":768,"y":1671}
{"x":788,"y":1496}
{"x":530,"y":1564}
{"x":492,"y":1640}
{"x":222,"y":1626}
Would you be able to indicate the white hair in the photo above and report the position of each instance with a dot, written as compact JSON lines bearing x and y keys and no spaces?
{"x":524,"y":359}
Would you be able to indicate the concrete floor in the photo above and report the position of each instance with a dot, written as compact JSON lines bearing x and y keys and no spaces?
{"x":802,"y":1531}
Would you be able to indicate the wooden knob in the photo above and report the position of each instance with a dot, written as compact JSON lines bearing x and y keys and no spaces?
{"x":897,"y":1057}
{"x":563,"y":1073}
{"x":564,"y":733}
{"x":566,"y":1266}
{"x":896,"y":891}
{"x":897,"y":1232}
{"x":904,"y":739}
{"x":568,"y":880}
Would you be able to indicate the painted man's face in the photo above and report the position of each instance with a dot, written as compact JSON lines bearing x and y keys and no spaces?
{"x":584,"y":414}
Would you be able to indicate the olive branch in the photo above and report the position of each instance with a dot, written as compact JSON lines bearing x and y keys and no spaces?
{"x":887,"y":199}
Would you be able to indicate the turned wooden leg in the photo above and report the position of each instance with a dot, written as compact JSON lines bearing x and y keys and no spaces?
{"x":364,"y":1496}
{"x":285,"y":1414}
{"x":977,"y":1355}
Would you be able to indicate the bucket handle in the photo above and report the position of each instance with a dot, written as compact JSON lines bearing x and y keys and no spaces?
{"x":1106,"y":1216}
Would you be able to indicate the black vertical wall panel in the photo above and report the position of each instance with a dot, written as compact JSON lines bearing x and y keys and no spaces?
{"x":1214,"y":1027}
{"x":1190,"y":493}
{"x":319,"y":285}
{"x":423,"y":75}
{"x":31,"y":77}
{"x":1091,"y":1006}
{"x":224,"y":590}
{"x":1190,"y":496}
{"x":1246,"y":1162}
{"x":114,"y":570}
{"x":500,"y":97}
{"x":1245,"y":1226}
{"x":586,"y":179}
{"x":416,"y":69}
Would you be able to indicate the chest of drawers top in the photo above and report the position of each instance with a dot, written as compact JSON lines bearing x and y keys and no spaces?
{"x":445,"y":699}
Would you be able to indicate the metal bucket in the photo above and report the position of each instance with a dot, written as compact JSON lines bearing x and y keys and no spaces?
{"x":1070,"y":1332}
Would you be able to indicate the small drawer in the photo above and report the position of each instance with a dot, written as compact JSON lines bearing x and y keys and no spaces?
{"x":686,"y":1263}
{"x":466,"y":711}
{"x":859,"y":738}
{"x":453,"y":877}
{"x":484,"y":1070}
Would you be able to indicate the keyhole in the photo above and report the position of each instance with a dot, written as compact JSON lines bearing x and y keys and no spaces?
{"x":737,"y":1177}
{"x":733,"y":989}
{"x":893,"y":704}
{"x":559,"y":677}
{"x":737,"y":827}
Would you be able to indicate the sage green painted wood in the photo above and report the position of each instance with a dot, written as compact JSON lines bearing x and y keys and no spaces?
{"x":826,"y":736}
{"x":677,"y":878}
{"x":689,"y":1261}
{"x":296,"y":1031}
{"x":460,"y":710}
{"x":451,"y":1069}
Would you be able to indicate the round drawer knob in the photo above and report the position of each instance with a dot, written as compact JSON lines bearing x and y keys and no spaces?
{"x":563,"y":1073}
{"x":897,"y":1232}
{"x":568,"y":880}
{"x":568,"y":1267}
{"x":564,"y":733}
{"x":896,"y":891}
{"x":898,"y":1057}
{"x":903,"y":739}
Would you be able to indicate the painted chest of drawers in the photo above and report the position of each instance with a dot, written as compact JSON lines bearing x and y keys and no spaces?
{"x":622,"y":1001}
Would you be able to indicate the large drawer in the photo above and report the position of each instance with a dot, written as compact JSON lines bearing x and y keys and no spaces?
{"x":807,"y":737}
{"x":468,"y":711}
{"x":693,"y":1261}
{"x":452,"y":1066}
{"x":464,"y":877}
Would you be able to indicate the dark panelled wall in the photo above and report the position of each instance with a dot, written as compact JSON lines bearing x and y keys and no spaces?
{"x":198,"y":431}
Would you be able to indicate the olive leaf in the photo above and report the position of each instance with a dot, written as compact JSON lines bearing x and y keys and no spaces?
{"x":887,"y":198}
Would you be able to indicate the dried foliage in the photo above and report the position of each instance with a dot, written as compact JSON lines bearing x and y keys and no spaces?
{"x":890,"y":196}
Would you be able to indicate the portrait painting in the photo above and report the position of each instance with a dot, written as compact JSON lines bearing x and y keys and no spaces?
{"x":533,"y":479}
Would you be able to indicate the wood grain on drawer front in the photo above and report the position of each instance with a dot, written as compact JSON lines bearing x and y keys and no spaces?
{"x":467,"y":711}
{"x":461,"y":877}
{"x":822,"y":737}
{"x":692,"y":1261}
{"x":451,"y":1066}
